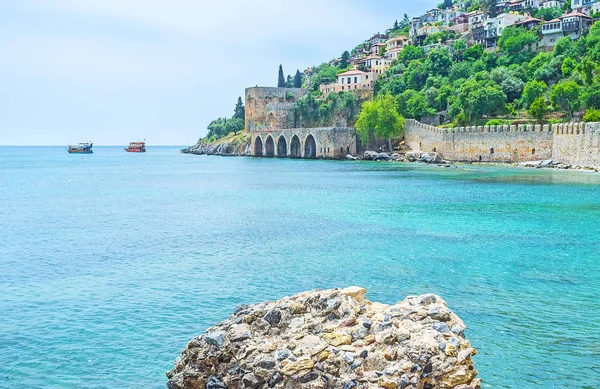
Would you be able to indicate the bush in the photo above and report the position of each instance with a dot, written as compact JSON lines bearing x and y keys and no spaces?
{"x":495,"y":122}
{"x":592,"y":115}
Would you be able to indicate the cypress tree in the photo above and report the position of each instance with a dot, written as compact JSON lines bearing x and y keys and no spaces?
{"x":298,"y":79}
{"x":239,"y":112}
{"x":281,"y":80}
{"x":344,"y":62}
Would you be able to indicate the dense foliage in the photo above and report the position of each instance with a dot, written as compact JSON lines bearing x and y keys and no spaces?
{"x":221,"y":127}
{"x":313,"y":111}
{"x":519,"y":80}
{"x":380,"y":118}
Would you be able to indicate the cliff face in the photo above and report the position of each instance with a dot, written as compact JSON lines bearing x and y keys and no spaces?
{"x":331,"y":339}
{"x":238,"y":145}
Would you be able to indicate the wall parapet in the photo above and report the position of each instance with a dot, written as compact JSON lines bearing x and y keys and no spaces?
{"x":509,"y":143}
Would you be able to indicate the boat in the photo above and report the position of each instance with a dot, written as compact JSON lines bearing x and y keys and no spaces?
{"x":82,"y":148}
{"x":136,"y":147}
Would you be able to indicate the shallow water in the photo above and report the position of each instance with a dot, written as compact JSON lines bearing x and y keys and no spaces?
{"x":110,"y":263}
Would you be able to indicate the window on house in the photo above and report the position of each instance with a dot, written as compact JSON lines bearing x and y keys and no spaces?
{"x":355,"y":80}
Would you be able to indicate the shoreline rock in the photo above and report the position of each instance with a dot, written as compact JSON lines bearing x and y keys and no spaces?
{"x":331,"y":339}
{"x":224,"y":148}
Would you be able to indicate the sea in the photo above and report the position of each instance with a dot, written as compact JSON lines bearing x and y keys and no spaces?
{"x":110,"y":263}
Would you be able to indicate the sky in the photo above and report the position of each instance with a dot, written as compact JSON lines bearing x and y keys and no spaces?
{"x":114,"y":71}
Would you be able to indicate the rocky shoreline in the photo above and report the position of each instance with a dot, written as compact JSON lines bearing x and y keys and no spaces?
{"x":230,"y":149}
{"x":331,"y":339}
{"x":226,"y":149}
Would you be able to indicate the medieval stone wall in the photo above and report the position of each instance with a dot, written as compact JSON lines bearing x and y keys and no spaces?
{"x":577,"y":144}
{"x":271,"y":107}
{"x":325,"y":142}
{"x":572,"y":143}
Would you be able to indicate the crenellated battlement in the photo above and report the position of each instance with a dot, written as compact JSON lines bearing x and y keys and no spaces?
{"x":574,"y":143}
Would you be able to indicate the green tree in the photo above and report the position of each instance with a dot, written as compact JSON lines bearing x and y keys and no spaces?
{"x":568,"y":66}
{"x":548,"y":13}
{"x":480,"y":97}
{"x":411,"y":53}
{"x":239,"y":112}
{"x":439,"y":62}
{"x":281,"y":79}
{"x":298,"y":79}
{"x":344,"y":61}
{"x":418,"y":106}
{"x":380,"y":117}
{"x":591,"y":96}
{"x":474,"y":52}
{"x":565,"y":96}
{"x":459,"y":47}
{"x":591,"y":115}
{"x":516,"y":44}
{"x":588,"y":67}
{"x":538,"y":109}
{"x":234,"y":125}
{"x":533,"y":90}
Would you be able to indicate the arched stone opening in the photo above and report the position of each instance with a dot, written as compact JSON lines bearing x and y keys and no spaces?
{"x":281,"y":147}
{"x":258,"y":147}
{"x":310,"y":147}
{"x":295,"y":147}
{"x":269,"y":147}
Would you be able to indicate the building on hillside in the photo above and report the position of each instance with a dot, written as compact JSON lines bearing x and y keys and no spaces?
{"x":502,"y":6}
{"x":350,"y":81}
{"x":335,"y":62}
{"x":595,"y":8}
{"x":521,"y":5}
{"x":493,"y":27}
{"x":459,"y":28}
{"x":378,"y":48}
{"x":475,"y":17}
{"x":573,"y":24}
{"x":528,"y":23}
{"x":582,"y":6}
{"x":425,"y":31}
{"x":551,"y":32}
{"x":378,"y":67}
{"x":378,"y":38}
{"x":552,"y":4}
{"x":395,"y":45}
{"x":478,"y":32}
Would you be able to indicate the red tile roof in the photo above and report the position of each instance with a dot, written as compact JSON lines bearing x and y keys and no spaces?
{"x":352,"y":73}
{"x":573,"y":14}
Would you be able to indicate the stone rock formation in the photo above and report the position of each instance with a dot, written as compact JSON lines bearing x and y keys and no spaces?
{"x":223,"y":148}
{"x":331,"y":339}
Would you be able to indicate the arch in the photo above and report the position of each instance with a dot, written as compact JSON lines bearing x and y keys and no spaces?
{"x":258,"y":147}
{"x":310,"y":147}
{"x":295,"y":147}
{"x":281,"y":147}
{"x":269,"y":147}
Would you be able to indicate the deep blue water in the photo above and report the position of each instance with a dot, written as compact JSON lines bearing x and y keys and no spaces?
{"x":110,"y":263}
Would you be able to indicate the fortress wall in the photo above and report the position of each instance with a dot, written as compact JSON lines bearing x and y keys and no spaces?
{"x":271,"y":107}
{"x":330,"y":142}
{"x":482,"y":143}
{"x":577,"y":144}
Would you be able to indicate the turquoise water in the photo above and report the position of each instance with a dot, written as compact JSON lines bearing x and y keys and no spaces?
{"x":110,"y":263}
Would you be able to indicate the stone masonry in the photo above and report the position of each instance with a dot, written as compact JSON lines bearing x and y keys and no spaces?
{"x":270,"y":124}
{"x":569,"y":143}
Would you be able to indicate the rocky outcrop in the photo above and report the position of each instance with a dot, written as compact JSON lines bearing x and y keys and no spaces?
{"x":331,"y":339}
{"x":224,"y":148}
{"x":420,"y":156}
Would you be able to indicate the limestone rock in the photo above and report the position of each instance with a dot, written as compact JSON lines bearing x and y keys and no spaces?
{"x":420,"y":156}
{"x":334,"y":339}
